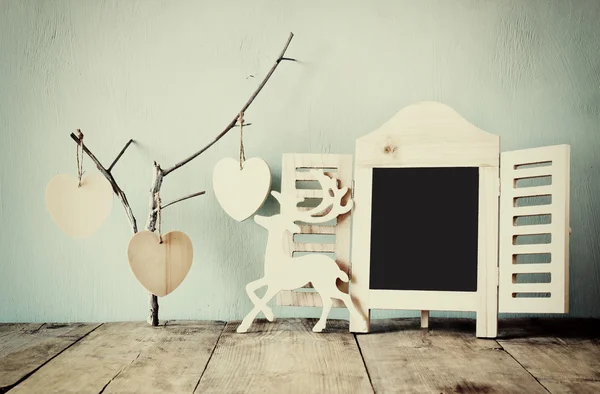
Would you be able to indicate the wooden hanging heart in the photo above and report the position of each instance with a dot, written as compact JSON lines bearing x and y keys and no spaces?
{"x":160,"y":268}
{"x":79,"y":211}
{"x":241,"y":192}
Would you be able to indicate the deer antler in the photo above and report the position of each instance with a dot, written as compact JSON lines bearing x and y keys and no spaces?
{"x":332,"y":198}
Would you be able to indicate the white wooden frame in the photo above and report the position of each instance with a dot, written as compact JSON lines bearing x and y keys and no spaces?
{"x":428,"y":134}
{"x":558,"y":159}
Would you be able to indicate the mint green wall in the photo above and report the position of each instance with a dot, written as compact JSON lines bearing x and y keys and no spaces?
{"x":171,"y":74}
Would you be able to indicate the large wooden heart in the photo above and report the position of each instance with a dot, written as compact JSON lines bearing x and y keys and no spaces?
{"x":79,"y":211}
{"x":241,"y":192}
{"x":160,"y":268}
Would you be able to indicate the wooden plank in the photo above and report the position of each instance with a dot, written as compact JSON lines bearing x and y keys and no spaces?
{"x":130,"y":357}
{"x":448,"y":358}
{"x":286,"y":357}
{"x":487,"y":265}
{"x":361,"y":247}
{"x":26,"y":347}
{"x":563,"y":355}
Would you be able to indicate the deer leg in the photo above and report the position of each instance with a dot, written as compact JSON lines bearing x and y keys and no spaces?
{"x":245,"y":325}
{"x":349,"y":304}
{"x":250,"y":289}
{"x":327,"y":304}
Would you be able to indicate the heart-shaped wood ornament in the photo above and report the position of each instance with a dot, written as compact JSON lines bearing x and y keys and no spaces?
{"x":241,"y":192}
{"x":160,"y":268}
{"x":79,"y":210}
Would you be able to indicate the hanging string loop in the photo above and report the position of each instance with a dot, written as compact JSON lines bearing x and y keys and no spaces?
{"x":242,"y":153}
{"x":158,"y":217}
{"x":79,"y":156}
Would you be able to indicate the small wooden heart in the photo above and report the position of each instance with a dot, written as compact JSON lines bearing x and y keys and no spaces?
{"x":160,"y":268}
{"x":241,"y":192}
{"x":79,"y":210}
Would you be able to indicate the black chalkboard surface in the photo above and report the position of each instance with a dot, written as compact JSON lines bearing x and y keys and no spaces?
{"x":424,"y":225}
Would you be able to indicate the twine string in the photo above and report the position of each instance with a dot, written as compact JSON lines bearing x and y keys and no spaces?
{"x":242,"y":153}
{"x":79,"y":156}
{"x":158,"y":217}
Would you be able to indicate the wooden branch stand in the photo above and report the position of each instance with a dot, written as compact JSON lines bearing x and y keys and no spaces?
{"x":159,"y":174}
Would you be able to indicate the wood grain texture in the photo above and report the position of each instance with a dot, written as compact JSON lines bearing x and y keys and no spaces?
{"x":173,"y":362}
{"x":26,"y":347}
{"x":286,"y":357}
{"x":427,"y":134}
{"x":564,"y":355}
{"x":487,"y":289}
{"x":556,"y":203}
{"x":134,"y":357}
{"x":160,"y":267}
{"x":402,"y":358}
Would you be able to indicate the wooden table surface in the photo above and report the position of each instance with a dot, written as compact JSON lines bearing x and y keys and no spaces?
{"x":529,"y":356}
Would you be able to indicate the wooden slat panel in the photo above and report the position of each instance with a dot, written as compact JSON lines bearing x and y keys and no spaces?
{"x":26,"y":347}
{"x":530,"y":268}
{"x":309,"y":193}
{"x":533,"y":172}
{"x":529,"y":249}
{"x":530,"y":287}
{"x":532,"y":229}
{"x":312,"y":247}
{"x":339,"y":166}
{"x":316,"y":229}
{"x":531,"y":210}
{"x":401,"y":358}
{"x":307,"y":176}
{"x":531,"y":191}
{"x":130,"y":357}
{"x":558,"y":247}
{"x":286,"y":357}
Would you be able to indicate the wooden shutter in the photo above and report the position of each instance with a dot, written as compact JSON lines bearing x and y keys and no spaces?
{"x":331,"y":238}
{"x":534,"y":230}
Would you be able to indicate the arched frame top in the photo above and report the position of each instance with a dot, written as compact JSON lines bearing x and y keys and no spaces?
{"x":428,"y":134}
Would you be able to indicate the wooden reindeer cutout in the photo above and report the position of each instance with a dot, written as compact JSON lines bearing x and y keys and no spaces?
{"x":283,"y":272}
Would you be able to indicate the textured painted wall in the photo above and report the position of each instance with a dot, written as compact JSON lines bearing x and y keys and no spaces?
{"x":171,"y":74}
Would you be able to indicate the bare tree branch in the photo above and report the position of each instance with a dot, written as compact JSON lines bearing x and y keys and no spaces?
{"x":151,"y":226}
{"x":183,"y":199}
{"x":107,"y":174}
{"x":244,"y":108}
{"x":159,"y":173}
{"x":119,"y":155}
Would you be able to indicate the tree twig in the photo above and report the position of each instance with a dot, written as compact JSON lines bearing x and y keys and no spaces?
{"x":244,"y":108}
{"x":107,"y":174}
{"x":159,"y":173}
{"x":119,"y":155}
{"x":183,"y":199}
{"x":151,"y":226}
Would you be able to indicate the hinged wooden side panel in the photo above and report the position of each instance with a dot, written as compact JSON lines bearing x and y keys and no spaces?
{"x":534,"y":230}
{"x":332,"y":238}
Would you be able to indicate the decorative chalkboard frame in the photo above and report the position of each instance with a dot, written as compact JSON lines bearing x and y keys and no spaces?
{"x":521,"y":221}
{"x":429,"y":135}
